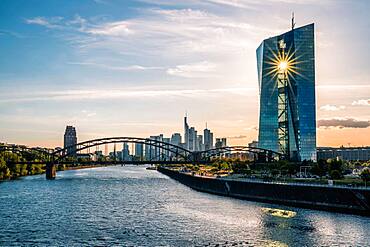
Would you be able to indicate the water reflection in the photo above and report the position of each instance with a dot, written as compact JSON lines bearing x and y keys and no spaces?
{"x":131,"y":206}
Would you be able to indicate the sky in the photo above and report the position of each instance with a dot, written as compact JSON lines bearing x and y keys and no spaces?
{"x":133,"y":68}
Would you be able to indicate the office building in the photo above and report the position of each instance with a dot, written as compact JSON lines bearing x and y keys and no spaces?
{"x":208,"y":139}
{"x":139,"y":150}
{"x":192,"y":143}
{"x":125,"y":154}
{"x":199,"y":143}
{"x":186,"y":132}
{"x":286,"y":76}
{"x":70,"y":140}
{"x":176,"y":139}
{"x":344,"y":153}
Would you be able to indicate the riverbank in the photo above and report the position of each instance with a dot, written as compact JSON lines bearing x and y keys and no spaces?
{"x":24,"y":170}
{"x":338,"y":199}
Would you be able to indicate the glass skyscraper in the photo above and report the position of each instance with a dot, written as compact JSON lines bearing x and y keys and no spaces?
{"x":286,"y":78}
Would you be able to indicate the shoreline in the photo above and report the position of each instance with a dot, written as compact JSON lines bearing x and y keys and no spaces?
{"x":72,"y":168}
{"x":332,"y":199}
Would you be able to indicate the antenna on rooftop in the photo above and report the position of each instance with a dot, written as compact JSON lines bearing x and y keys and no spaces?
{"x":206,"y":126}
{"x":293,"y":23}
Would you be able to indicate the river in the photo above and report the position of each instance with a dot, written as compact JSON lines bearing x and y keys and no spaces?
{"x":132,"y":206}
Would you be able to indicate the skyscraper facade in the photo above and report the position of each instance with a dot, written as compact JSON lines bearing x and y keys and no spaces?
{"x":186,"y":132}
{"x":70,"y":140}
{"x":139,"y":150}
{"x":286,"y":77}
{"x":192,"y":143}
{"x":176,"y":139}
{"x":208,"y":139}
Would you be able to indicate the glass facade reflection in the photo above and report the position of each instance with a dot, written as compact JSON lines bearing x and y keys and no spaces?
{"x":287,"y":120}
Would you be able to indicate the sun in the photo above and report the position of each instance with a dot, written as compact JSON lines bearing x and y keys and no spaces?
{"x":283,"y":62}
{"x":283,"y":66}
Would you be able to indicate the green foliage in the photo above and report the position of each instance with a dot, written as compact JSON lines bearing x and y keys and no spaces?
{"x":320,"y":168}
{"x":240,"y":167}
{"x":287,"y":168}
{"x":11,"y":169}
{"x":335,"y":174}
{"x":4,"y":170}
{"x":336,"y":165}
{"x":365,"y":174}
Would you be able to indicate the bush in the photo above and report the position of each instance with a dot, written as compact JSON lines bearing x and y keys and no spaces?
{"x":335,"y":174}
{"x":240,"y":167}
{"x":365,"y":174}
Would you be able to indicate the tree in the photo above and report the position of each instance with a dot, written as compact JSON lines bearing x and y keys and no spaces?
{"x":4,"y":170}
{"x":320,"y":168}
{"x":336,"y":165}
{"x":335,"y":174}
{"x":240,"y":167}
{"x":365,"y":175}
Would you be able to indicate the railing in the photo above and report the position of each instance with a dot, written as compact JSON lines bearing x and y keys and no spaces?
{"x":296,"y":183}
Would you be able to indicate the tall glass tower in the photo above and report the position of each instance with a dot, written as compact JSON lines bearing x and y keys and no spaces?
{"x":286,"y":78}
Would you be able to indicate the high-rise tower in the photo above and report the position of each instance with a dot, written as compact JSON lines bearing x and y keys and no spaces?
{"x":70,"y":140}
{"x":186,"y":131}
{"x":286,"y":77}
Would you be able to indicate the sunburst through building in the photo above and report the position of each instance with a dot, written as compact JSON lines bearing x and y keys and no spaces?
{"x":286,"y":73}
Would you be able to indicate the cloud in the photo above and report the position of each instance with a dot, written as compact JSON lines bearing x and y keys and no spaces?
{"x":193,"y":70}
{"x":237,"y":137}
{"x":245,"y":4}
{"x":362,"y":102}
{"x":343,"y":123}
{"x":119,"y":28}
{"x":88,"y":113}
{"x":161,"y":31}
{"x":110,"y":67}
{"x":136,"y":93}
{"x":332,"y":108}
{"x":53,"y":22}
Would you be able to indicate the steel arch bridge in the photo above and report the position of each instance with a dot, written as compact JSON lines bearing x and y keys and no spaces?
{"x":179,"y":155}
{"x":266,"y":154}
{"x":177,"y":151}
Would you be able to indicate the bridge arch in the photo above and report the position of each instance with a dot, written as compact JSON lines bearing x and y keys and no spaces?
{"x":261,"y":152}
{"x":177,"y":151}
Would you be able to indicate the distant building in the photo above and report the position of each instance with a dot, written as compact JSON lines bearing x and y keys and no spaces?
{"x":192,"y":139}
{"x":139,"y":150}
{"x":344,"y":153}
{"x":224,"y":142}
{"x":152,"y":152}
{"x":98,"y":155}
{"x":208,"y":139}
{"x":165,"y":154}
{"x":253,"y":144}
{"x":186,"y":132}
{"x":200,"y":145}
{"x":176,"y":139}
{"x":251,"y":155}
{"x":218,"y":143}
{"x":125,"y":152}
{"x":70,"y":140}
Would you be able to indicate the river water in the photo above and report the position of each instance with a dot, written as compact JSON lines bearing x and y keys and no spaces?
{"x":132,"y":206}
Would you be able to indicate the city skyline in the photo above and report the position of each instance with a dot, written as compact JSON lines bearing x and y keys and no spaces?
{"x":135,"y":71}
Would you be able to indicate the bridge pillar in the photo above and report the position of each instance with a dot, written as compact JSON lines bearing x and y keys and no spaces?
{"x":51,"y":171}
